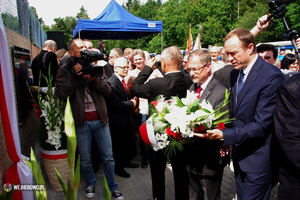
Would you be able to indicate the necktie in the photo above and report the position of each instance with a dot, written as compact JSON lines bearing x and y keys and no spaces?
{"x":198,"y":91}
{"x":124,"y":85}
{"x":240,"y":82}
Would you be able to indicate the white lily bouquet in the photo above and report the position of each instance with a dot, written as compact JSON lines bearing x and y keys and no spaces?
{"x":174,"y":122}
{"x":50,"y":109}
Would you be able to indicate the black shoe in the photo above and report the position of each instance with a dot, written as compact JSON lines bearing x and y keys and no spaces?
{"x":123,"y":174}
{"x":144,"y":164}
{"x":90,"y":192}
{"x":131,"y":165}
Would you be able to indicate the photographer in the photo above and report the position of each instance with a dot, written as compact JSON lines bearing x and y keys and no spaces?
{"x":90,"y":116}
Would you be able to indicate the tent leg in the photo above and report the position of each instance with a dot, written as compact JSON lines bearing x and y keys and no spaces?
{"x":162,"y":41}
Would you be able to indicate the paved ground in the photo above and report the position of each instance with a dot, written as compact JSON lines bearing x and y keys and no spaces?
{"x":138,"y":186}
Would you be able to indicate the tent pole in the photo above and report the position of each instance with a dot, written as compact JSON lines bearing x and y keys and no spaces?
{"x":79,"y":34}
{"x":162,"y":42}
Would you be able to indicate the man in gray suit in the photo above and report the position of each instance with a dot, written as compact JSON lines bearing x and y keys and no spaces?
{"x":205,"y":162}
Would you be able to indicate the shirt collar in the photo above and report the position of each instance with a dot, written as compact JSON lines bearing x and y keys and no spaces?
{"x":203,"y":85}
{"x":249,"y":67}
{"x":119,"y":77}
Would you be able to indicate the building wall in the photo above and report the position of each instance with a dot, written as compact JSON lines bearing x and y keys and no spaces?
{"x":28,"y":129}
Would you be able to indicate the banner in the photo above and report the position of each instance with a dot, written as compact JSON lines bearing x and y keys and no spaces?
{"x":189,"y":47}
{"x":198,"y":42}
{"x":18,"y":173}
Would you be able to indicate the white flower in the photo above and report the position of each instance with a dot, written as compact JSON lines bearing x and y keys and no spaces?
{"x":156,"y":147}
{"x":157,"y":136}
{"x":206,"y":105}
{"x":191,"y":97}
{"x":164,"y":137}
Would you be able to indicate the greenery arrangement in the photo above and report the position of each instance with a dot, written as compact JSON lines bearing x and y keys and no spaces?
{"x":51,"y":135}
{"x":70,"y":190}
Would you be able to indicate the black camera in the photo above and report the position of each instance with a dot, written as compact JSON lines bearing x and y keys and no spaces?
{"x":273,"y":4}
{"x":86,"y":59}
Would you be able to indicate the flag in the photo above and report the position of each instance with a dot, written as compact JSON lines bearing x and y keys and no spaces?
{"x":18,"y":172}
{"x":190,"y":41}
{"x":147,"y":132}
{"x":198,"y":42}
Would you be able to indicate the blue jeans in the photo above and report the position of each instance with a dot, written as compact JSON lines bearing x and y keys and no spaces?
{"x":102,"y":136}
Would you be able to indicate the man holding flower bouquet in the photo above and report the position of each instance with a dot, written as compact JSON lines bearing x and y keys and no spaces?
{"x":254,"y":83}
{"x":206,"y":159}
{"x":172,"y":84}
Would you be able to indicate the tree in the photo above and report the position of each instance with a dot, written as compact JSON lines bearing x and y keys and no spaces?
{"x":82,"y":14}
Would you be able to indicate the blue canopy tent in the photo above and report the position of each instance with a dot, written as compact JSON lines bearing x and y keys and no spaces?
{"x":115,"y":22}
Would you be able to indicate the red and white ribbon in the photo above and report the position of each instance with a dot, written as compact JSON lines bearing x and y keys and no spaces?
{"x":147,"y":132}
{"x":19,"y":172}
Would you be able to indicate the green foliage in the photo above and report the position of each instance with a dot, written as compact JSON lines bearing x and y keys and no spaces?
{"x":217,"y":17}
{"x":70,"y":190}
{"x":10,"y":22}
{"x":82,"y":14}
{"x":107,"y":193}
{"x":37,"y":174}
{"x":7,"y":195}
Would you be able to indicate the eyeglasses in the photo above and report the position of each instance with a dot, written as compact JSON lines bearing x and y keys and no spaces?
{"x":212,"y":53}
{"x":196,"y":69}
{"x":124,"y":67}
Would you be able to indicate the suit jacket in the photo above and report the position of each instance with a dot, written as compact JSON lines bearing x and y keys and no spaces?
{"x":172,"y":84}
{"x":118,"y":107}
{"x":37,"y":67}
{"x":223,"y":74}
{"x":253,"y":109}
{"x":108,"y":70}
{"x":287,"y":126}
{"x":207,"y":152}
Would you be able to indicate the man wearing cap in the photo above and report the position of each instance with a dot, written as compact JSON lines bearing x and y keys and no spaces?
{"x":118,"y":109}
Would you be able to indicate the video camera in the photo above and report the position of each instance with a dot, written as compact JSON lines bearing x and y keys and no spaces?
{"x":87,"y":57}
{"x":273,"y":4}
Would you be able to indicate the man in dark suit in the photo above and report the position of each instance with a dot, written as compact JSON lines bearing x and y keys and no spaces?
{"x":205,"y":163}
{"x":172,"y":84}
{"x":41,"y":63}
{"x":223,"y":74}
{"x":118,"y":110}
{"x":254,"y":83}
{"x":287,"y":127}
{"x":113,"y":55}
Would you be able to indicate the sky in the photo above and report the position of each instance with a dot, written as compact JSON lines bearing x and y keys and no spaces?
{"x":48,"y":10}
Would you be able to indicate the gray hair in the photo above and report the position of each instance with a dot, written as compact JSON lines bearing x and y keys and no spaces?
{"x":204,"y":56}
{"x":116,"y":52}
{"x":50,"y":44}
{"x":172,"y":54}
{"x":139,"y":52}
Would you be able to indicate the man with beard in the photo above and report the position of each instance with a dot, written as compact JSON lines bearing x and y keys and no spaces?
{"x":205,"y":162}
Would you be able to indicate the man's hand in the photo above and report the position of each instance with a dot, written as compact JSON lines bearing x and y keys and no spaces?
{"x":77,"y":68}
{"x":261,"y":25}
{"x":214,"y":134}
{"x":89,"y":77}
{"x":134,"y":102}
{"x":151,"y":63}
{"x":298,"y":43}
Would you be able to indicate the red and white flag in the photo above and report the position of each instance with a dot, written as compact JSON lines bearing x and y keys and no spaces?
{"x":189,"y":45}
{"x":19,"y":172}
{"x":147,"y":132}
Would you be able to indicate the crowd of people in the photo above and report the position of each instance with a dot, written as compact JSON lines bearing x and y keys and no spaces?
{"x":108,"y":109}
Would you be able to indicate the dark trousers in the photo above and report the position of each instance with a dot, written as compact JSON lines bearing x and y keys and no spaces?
{"x":122,"y":140}
{"x":158,"y":166}
{"x":252,"y":185}
{"x":205,"y":187}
